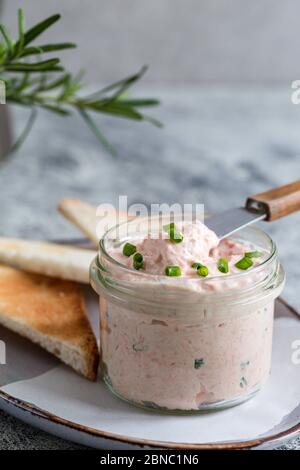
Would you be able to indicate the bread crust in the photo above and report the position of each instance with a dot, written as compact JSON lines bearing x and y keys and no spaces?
{"x":51,"y":259}
{"x":51,"y":313}
{"x":84,"y":216}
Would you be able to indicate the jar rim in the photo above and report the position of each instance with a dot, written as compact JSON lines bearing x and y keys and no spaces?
{"x":235,"y":276}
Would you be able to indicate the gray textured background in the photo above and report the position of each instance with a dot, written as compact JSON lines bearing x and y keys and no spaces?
{"x":187,"y":41}
{"x":218,"y":146}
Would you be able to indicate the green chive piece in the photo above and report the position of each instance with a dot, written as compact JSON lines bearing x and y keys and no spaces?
{"x":253,"y":254}
{"x":174,"y":235}
{"x":243,"y":382}
{"x":138,"y":261}
{"x":202,"y":271}
{"x":198,"y":363}
{"x":168,"y":227}
{"x":129,"y":249}
{"x":223,"y":265}
{"x":244,"y":263}
{"x":196,"y":265}
{"x":173,"y":271}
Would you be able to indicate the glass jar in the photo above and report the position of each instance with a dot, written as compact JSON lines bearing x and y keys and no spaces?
{"x":166,"y":346}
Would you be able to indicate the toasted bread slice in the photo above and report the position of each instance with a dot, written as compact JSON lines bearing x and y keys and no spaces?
{"x":51,"y":259}
{"x":51,"y":313}
{"x":84,"y":216}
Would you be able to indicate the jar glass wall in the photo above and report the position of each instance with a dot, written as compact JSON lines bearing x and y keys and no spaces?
{"x":166,"y":346}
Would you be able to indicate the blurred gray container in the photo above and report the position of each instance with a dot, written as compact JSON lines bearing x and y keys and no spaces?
{"x":5,"y":134}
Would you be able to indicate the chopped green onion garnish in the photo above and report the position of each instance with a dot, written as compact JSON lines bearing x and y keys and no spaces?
{"x":223,"y":265}
{"x":244,"y":263}
{"x":138,"y":261}
{"x":202,"y":271}
{"x":168,"y":227}
{"x":173,"y":271}
{"x":253,"y":254}
{"x":174,"y":235}
{"x":198,"y":363}
{"x":129,"y":249}
{"x":196,"y":265}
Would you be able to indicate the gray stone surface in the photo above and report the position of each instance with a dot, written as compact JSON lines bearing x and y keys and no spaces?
{"x":218,"y":146}
{"x":15,"y":435}
{"x":188,"y":41}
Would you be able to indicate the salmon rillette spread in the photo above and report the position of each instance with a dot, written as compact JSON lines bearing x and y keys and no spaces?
{"x":208,"y":344}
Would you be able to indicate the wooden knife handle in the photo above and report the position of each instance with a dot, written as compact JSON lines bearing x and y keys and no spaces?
{"x":277,"y":202}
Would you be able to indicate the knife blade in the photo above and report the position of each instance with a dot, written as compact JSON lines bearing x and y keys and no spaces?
{"x":232,"y":220}
{"x":269,"y":205}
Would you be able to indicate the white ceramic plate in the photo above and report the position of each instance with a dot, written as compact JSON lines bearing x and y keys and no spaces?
{"x":41,"y":391}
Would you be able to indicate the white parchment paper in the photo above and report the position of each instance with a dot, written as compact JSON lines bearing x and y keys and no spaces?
{"x":63,"y":393}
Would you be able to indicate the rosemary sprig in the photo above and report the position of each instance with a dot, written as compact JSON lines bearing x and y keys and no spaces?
{"x":37,"y":85}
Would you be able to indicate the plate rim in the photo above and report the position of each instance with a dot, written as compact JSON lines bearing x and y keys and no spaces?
{"x":34,"y":410}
